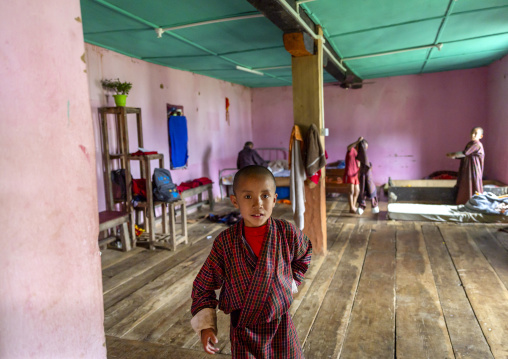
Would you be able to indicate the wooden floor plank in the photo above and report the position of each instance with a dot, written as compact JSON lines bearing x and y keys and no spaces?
{"x":316,"y":263}
{"x":130,"y":349}
{"x":485,"y":291}
{"x":146,"y":260}
{"x":465,"y":333}
{"x":306,"y":312}
{"x":495,"y":253}
{"x":151,"y":306}
{"x":421,"y":329}
{"x":371,"y":331}
{"x":139,"y":279}
{"x":334,"y":312}
{"x":110,"y":257}
{"x":149,"y":292}
{"x":501,"y":235}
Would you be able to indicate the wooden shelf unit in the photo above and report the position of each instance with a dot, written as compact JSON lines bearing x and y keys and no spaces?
{"x":145,"y":169}
{"x":122,"y":140}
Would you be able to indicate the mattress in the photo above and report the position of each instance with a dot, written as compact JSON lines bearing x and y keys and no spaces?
{"x":440,"y":213}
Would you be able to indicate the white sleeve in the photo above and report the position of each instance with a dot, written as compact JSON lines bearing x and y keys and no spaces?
{"x":204,"y":319}
{"x":294,"y":288}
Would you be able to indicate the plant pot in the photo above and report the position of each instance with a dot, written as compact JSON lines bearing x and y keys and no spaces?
{"x":120,"y":100}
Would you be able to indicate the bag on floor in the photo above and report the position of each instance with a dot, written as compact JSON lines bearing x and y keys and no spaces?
{"x":164,"y":189}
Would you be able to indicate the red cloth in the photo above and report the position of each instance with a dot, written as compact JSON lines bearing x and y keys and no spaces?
{"x":255,"y":237}
{"x":351,"y":170}
{"x":141,"y":153}
{"x":184,"y":186}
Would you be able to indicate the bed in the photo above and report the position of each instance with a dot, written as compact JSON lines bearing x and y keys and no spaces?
{"x":440,"y":213}
{"x":333,"y":179}
{"x":433,"y":191}
{"x":434,"y":200}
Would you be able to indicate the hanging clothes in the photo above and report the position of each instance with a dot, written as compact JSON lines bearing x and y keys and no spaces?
{"x":297,"y":177}
{"x":178,"y":141}
{"x":314,"y":153}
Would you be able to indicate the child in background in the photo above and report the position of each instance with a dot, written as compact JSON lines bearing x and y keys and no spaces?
{"x":367,"y":185}
{"x":470,"y":174}
{"x":257,"y":263}
{"x":351,"y":174}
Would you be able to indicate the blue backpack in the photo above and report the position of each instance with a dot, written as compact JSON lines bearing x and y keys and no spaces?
{"x":164,"y":190}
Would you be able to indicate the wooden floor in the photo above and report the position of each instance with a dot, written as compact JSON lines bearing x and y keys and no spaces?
{"x":386,"y":289}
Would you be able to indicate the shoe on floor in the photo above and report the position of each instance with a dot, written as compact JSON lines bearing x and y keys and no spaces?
{"x":359,"y":211}
{"x":375,"y":210}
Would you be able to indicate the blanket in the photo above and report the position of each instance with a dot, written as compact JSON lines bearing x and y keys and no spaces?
{"x":488,"y":203}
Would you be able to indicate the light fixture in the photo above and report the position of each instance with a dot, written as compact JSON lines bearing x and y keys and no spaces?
{"x":250,"y":70}
{"x":437,"y":46}
{"x":161,"y":30}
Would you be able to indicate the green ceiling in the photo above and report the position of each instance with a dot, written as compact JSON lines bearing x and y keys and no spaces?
{"x":474,"y":33}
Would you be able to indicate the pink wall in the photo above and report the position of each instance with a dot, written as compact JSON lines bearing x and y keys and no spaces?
{"x":213,"y":143}
{"x":410,"y":122}
{"x":50,"y":278}
{"x":496,"y":145}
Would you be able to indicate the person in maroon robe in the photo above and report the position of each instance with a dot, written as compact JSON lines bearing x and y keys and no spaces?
{"x":258,"y":264}
{"x":248,"y":156}
{"x":469,"y":179}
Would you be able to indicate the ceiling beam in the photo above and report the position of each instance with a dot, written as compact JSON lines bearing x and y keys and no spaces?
{"x":284,"y":14}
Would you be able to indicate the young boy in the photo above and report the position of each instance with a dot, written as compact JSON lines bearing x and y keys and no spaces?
{"x":469,"y":179}
{"x":257,"y":263}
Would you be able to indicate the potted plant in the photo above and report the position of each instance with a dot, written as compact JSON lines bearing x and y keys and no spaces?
{"x":121,"y":90}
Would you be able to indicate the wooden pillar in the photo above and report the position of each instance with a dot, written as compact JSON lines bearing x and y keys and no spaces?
{"x":308,"y":109}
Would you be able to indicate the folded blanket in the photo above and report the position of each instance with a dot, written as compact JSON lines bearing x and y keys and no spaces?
{"x":488,"y":203}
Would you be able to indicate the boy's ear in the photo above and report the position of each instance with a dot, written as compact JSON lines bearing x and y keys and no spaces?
{"x":234,"y":201}
{"x":275,"y":197}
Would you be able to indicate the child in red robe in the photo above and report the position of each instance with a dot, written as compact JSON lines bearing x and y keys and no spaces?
{"x":257,"y":263}
{"x":351,"y":174}
{"x":469,"y":179}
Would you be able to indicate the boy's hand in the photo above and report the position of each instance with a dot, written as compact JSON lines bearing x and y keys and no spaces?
{"x":209,"y":339}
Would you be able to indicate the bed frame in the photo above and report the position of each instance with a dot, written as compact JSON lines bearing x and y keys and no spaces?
{"x":438,"y":191}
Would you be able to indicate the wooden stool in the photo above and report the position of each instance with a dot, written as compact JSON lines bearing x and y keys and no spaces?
{"x":113,"y":219}
{"x":173,"y":239}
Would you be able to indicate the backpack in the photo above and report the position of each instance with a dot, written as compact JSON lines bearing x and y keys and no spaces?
{"x":164,"y":189}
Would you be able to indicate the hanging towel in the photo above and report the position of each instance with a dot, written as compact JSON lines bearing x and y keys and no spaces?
{"x":297,"y":178}
{"x":178,"y":141}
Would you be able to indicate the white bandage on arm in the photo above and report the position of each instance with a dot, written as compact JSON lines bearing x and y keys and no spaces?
{"x":206,"y":318}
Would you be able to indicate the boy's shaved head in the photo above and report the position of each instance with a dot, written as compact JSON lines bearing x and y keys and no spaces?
{"x":477,"y":129}
{"x":252,"y":171}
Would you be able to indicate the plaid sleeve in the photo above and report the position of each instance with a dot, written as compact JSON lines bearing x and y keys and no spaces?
{"x":209,"y":279}
{"x":302,"y":251}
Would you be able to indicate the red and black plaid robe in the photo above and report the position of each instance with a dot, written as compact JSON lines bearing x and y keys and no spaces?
{"x":256,"y":291}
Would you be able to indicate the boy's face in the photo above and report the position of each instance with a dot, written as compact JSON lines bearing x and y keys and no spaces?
{"x":476,"y":135}
{"x":255,"y":198}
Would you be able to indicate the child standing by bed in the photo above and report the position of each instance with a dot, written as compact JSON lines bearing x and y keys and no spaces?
{"x":257,"y":263}
{"x":351,"y":174}
{"x":367,"y":185}
{"x":470,"y":175}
